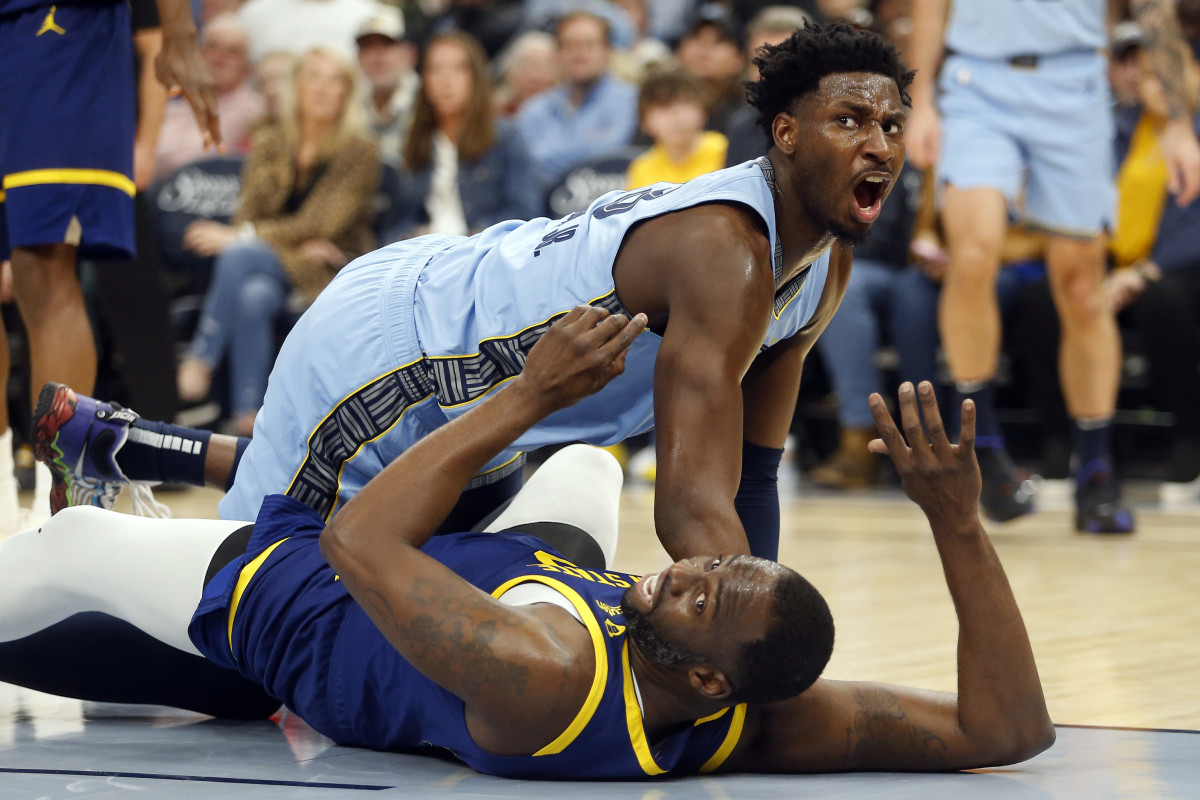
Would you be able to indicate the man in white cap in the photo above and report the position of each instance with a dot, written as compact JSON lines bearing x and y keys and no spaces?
{"x":387,"y":62}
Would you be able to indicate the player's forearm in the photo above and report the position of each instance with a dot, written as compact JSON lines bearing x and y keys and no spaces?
{"x":925,"y":49}
{"x":1166,"y":52}
{"x":1001,"y":707}
{"x":417,"y":491}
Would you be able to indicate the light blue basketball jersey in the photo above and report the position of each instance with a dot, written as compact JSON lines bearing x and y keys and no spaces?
{"x":1007,"y":28}
{"x":411,"y":336}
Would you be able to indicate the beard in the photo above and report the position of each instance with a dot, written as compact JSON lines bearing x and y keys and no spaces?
{"x":653,"y":645}
{"x":845,"y":235}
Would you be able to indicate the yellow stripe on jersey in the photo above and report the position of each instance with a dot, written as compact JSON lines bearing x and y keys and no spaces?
{"x":717,"y":715}
{"x":91,"y":177}
{"x":633,"y":719}
{"x":596,"y":693}
{"x":243,"y":581}
{"x":731,"y":739}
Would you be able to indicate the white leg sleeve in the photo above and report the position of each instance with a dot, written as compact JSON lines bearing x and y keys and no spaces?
{"x":579,"y":485}
{"x":147,"y":572}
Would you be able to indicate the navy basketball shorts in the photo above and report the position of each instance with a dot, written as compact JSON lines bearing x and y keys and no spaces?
{"x":67,"y":123}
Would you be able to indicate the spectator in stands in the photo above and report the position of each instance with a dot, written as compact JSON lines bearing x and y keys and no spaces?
{"x":528,"y":66}
{"x":223,"y":44}
{"x":769,"y":27}
{"x":272,"y":79}
{"x":591,"y":114}
{"x":1158,"y":271}
{"x":634,"y":60}
{"x":671,"y":107}
{"x":464,"y":169}
{"x":491,"y":24}
{"x":306,"y":207}
{"x":387,"y":61}
{"x":1125,"y":66}
{"x":296,"y":26}
{"x":711,"y":51}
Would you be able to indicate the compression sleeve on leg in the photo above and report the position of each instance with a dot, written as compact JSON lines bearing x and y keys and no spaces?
{"x":757,"y":500}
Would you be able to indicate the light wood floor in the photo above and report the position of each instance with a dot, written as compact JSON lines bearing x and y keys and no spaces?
{"x":1115,"y":621}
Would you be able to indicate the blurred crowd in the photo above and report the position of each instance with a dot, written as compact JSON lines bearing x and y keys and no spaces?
{"x":351,"y":124}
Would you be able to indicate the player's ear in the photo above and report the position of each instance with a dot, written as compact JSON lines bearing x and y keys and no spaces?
{"x":783,"y":131}
{"x":710,"y":682}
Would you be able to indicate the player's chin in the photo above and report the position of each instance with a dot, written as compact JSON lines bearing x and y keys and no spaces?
{"x":850,"y":231}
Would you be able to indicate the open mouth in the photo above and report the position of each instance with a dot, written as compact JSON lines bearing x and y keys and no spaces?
{"x":868,"y":197}
{"x":648,"y":585}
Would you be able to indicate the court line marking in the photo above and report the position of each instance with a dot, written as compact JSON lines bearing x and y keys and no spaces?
{"x":1124,"y":728}
{"x":364,"y":787}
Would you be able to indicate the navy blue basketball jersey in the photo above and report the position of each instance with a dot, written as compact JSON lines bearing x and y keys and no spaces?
{"x":279,"y":615}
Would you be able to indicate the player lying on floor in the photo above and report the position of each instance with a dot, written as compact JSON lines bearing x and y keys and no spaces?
{"x":528,"y":661}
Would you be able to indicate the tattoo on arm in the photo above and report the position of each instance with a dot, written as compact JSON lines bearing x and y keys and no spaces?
{"x":1166,"y":51}
{"x":449,"y":634}
{"x":882,"y":735}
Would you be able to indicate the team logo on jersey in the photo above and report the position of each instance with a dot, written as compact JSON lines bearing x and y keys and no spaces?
{"x":49,"y":25}
{"x":612,"y":628}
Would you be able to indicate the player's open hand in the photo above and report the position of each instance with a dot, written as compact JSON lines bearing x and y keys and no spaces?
{"x":942,"y":478}
{"x":579,"y":355}
{"x":181,"y":69}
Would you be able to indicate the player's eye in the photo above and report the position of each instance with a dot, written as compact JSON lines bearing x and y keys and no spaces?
{"x":716,"y":563}
{"x":847,"y":121}
{"x":892,"y":128}
{"x":700,"y":601}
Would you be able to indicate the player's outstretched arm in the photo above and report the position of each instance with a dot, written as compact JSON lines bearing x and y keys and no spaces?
{"x":492,"y":656}
{"x":180,"y":68}
{"x":999,"y":715}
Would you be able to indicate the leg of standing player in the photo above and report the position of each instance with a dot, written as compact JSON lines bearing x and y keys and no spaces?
{"x":975,"y":223}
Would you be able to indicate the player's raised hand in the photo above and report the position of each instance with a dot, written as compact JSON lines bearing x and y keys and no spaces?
{"x":579,"y":355}
{"x":942,"y":478}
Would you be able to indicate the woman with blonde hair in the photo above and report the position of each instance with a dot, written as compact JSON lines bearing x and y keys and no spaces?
{"x":464,"y":169}
{"x":306,"y":208}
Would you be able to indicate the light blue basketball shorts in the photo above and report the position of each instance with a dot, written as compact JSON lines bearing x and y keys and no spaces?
{"x":1046,"y":129}
{"x":350,"y":391}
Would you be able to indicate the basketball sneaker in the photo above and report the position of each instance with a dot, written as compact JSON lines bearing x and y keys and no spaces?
{"x":1005,"y":495}
{"x":1099,"y":507}
{"x":78,"y":438}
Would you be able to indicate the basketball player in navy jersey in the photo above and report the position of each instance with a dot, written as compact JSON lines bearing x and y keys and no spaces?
{"x":738,"y":272}
{"x":522,"y":662}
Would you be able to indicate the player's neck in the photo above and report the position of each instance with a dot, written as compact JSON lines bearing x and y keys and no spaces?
{"x":668,"y":701}
{"x":803,"y":238}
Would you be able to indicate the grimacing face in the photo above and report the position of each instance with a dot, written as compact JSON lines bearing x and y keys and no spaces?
{"x":701,"y":609}
{"x":847,"y":149}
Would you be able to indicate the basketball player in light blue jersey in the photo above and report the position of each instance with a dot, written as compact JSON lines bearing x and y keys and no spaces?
{"x":738,"y":272}
{"x":498,"y":646}
{"x":1021,"y":110}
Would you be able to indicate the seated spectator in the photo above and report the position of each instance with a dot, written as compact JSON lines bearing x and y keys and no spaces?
{"x":223,"y":45}
{"x":272,"y":80}
{"x":387,"y":63}
{"x":769,"y":27}
{"x":528,"y":66}
{"x":671,"y":107}
{"x":306,"y":207}
{"x":590,"y":115}
{"x":711,"y":51}
{"x":1157,"y":278}
{"x":634,"y":60}
{"x":464,"y":170}
{"x":296,"y":26}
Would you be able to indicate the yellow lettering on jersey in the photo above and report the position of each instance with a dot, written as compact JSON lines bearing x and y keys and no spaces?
{"x":49,"y":25}
{"x":612,"y":628}
{"x":336,"y":578}
{"x":612,"y":611}
{"x":617,"y":580}
{"x":552,"y":563}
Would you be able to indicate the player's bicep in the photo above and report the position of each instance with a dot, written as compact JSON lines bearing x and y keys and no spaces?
{"x":849,"y":726}
{"x":467,"y":642}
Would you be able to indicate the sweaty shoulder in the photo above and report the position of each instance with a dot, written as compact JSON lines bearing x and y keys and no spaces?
{"x":720,"y":249}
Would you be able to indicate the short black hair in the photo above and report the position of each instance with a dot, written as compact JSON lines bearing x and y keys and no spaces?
{"x":795,"y":66}
{"x":795,"y":649}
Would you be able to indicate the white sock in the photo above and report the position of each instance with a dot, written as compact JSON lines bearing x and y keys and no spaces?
{"x":9,"y":505}
{"x":147,"y":572}
{"x":579,"y":485}
{"x":41,"y":493}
